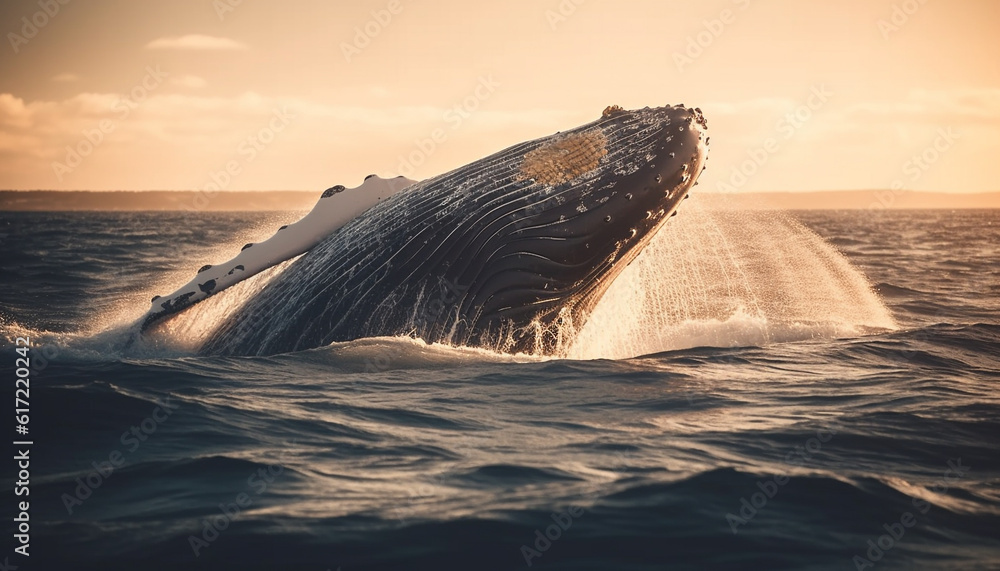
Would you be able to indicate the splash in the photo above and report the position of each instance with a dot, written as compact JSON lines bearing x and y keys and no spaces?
{"x":187,"y":331}
{"x":715,"y":276}
{"x":718,"y":276}
{"x":115,"y":331}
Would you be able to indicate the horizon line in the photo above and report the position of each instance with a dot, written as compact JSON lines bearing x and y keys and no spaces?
{"x":713,"y":192}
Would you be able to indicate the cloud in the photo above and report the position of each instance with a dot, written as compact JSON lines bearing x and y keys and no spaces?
{"x":191,"y":81}
{"x":178,"y":139}
{"x":196,"y":42}
{"x":972,"y":106}
{"x":66,"y":77}
{"x":854,"y":143}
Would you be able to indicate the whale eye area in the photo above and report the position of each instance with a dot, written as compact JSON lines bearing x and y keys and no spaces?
{"x":565,"y":158}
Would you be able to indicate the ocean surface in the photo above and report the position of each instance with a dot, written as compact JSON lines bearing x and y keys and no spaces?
{"x":763,"y":390}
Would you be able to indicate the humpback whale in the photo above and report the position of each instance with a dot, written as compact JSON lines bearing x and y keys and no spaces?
{"x":504,"y":253}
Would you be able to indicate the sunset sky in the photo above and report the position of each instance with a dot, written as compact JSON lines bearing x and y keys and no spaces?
{"x":297,"y":95}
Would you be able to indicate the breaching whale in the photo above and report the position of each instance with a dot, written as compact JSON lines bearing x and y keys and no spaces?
{"x":504,"y":253}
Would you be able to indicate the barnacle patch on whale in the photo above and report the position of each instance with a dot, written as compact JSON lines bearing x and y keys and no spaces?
{"x":565,"y":158}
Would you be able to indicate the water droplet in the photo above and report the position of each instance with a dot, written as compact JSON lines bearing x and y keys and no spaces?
{"x":659,"y":179}
{"x":629,"y":195}
{"x":607,"y":218}
{"x":672,"y":155}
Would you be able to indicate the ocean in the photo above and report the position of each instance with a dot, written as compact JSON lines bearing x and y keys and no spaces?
{"x":760,"y":390}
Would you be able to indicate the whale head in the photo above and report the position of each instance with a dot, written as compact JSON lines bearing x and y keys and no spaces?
{"x":500,"y":253}
{"x":599,"y":193}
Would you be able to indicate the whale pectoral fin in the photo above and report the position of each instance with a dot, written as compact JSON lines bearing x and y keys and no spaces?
{"x":335,"y":208}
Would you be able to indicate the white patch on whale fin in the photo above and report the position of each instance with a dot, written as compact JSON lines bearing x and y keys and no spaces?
{"x":336,"y":207}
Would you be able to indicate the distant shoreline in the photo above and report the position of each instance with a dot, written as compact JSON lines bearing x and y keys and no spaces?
{"x":242,"y":201}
